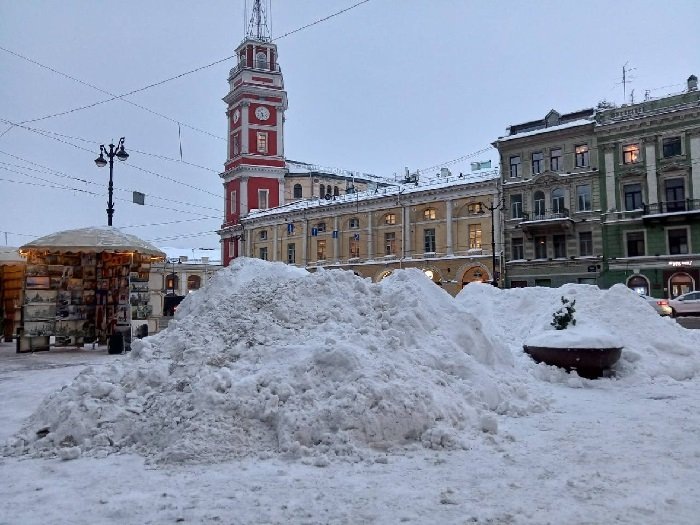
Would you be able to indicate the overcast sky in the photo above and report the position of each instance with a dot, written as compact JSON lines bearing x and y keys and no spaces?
{"x":388,"y":84}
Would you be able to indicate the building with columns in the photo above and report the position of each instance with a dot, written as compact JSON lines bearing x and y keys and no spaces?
{"x":650,"y":172}
{"x":441,"y":225}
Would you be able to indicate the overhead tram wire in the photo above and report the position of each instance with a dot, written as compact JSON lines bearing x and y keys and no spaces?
{"x":56,"y":186}
{"x":60,"y":174}
{"x":47,"y":135}
{"x":455,"y":161}
{"x":155,"y":155}
{"x":159,"y":83}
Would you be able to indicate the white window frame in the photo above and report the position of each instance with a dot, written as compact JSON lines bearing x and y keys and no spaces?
{"x":579,"y":194}
{"x":262,"y":142}
{"x":263,"y":198}
{"x":232,"y":201}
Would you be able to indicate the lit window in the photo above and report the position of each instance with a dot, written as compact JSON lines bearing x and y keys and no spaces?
{"x":630,"y":153}
{"x":537,"y":162}
{"x":262,"y":142}
{"x":429,"y":240}
{"x":475,"y":208}
{"x":262,"y":199}
{"x":582,"y":159}
{"x":354,"y":247}
{"x":515,"y":166}
{"x":390,"y":218}
{"x":321,"y":250}
{"x":555,"y":161}
{"x":429,"y":213}
{"x":474,"y":236}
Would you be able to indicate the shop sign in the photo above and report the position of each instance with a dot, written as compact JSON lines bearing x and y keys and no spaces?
{"x":678,"y":264}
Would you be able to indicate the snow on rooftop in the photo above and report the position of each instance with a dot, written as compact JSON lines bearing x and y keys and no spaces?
{"x":572,"y":124}
{"x":194,"y":255}
{"x":396,"y":188}
{"x":296,"y":167}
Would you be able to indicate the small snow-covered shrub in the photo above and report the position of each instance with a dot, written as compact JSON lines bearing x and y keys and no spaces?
{"x":565,"y":315}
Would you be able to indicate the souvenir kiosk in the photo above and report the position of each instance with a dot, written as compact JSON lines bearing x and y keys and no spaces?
{"x":84,"y":286}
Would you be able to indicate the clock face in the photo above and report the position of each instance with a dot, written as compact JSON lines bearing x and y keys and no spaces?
{"x":236,"y":116}
{"x":262,"y":113}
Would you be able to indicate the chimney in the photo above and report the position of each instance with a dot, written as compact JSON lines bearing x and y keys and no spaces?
{"x":444,"y":172}
{"x":692,"y":83}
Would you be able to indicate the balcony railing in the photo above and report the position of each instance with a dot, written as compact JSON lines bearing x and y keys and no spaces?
{"x":561,"y":213}
{"x":261,"y":65}
{"x":672,"y":206}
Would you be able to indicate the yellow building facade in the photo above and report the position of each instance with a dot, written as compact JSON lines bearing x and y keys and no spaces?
{"x":442,"y":226}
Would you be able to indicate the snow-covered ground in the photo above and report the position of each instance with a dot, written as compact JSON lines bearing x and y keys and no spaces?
{"x":279,"y":396}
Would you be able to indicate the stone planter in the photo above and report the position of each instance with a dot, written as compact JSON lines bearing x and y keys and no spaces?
{"x":588,"y":362}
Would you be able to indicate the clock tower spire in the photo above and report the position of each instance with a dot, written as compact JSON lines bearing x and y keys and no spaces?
{"x":254,"y":171}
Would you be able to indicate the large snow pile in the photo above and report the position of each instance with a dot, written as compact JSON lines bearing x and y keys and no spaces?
{"x":269,"y":359}
{"x":653,"y":346}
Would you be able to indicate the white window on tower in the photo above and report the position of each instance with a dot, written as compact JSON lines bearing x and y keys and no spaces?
{"x":263,"y":199}
{"x":232,"y":202}
{"x":262,"y":142}
{"x":260,"y":60}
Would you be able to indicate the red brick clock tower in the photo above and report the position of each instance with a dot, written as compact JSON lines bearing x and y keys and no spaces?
{"x":254,"y":170}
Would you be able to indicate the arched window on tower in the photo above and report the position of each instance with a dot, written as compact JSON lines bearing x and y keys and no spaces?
{"x":260,"y":60}
{"x":297,"y":191}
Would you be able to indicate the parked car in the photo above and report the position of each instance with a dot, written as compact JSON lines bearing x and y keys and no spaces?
{"x":660,"y":305}
{"x":686,"y":304}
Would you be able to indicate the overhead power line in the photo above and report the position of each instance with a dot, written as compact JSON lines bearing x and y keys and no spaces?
{"x":155,"y":84}
{"x":56,"y":173}
{"x":131,"y":165}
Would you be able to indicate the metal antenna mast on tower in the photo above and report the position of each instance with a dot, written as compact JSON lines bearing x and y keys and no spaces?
{"x":257,"y":27}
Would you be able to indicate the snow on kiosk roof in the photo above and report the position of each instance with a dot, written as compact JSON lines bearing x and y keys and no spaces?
{"x":94,"y":239}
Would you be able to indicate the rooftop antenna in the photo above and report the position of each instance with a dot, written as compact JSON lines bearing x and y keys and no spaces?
{"x":257,"y":26}
{"x":626,"y":79}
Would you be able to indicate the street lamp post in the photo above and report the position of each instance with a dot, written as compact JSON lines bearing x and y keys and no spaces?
{"x":492,"y":208}
{"x":114,"y":151}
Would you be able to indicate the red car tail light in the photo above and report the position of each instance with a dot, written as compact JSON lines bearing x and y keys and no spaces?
{"x":662,"y":302}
